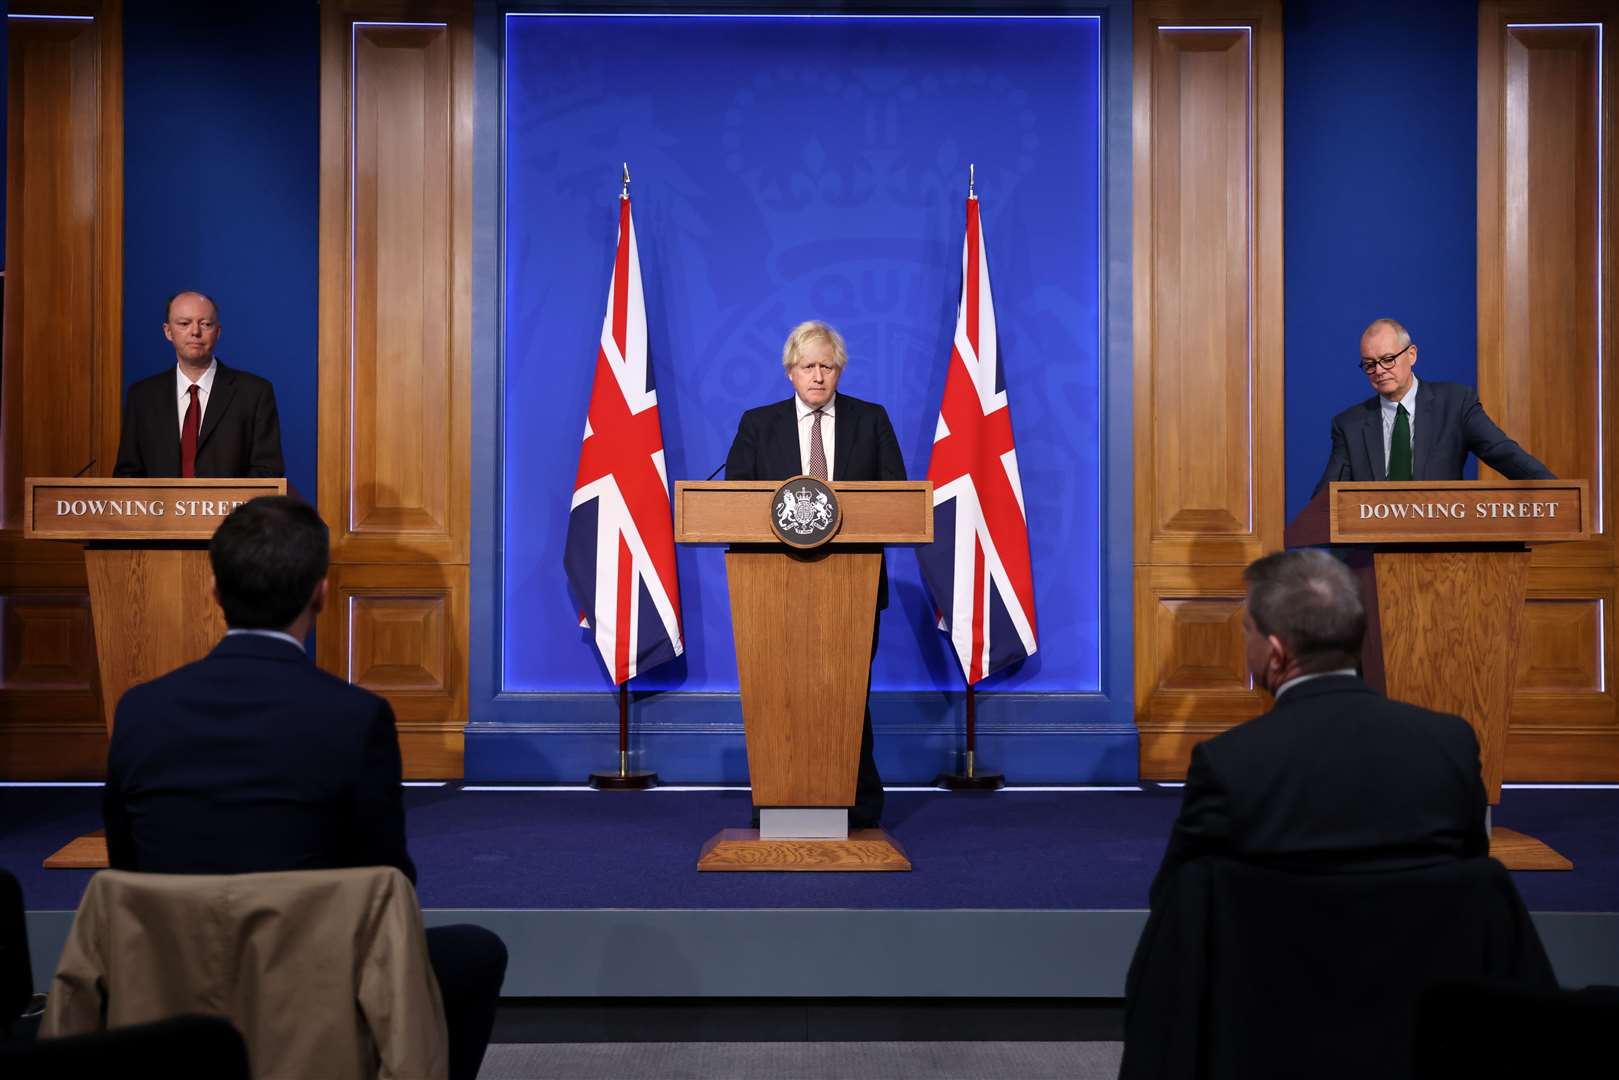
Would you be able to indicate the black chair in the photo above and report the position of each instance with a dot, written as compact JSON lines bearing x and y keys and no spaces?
{"x":1484,"y":1029}
{"x":1249,"y":972}
{"x":184,"y":1046}
{"x":16,"y":973}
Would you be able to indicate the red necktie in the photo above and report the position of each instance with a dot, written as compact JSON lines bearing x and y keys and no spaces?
{"x":188,"y":434}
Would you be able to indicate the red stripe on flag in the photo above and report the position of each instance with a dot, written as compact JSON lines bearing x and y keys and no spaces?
{"x":626,"y":594}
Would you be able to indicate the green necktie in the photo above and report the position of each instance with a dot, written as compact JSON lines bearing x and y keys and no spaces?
{"x":1400,"y":447}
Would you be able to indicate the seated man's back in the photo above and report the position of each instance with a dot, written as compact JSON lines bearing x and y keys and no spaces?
{"x":253,"y":759}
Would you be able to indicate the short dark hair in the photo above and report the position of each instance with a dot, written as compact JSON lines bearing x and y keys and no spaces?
{"x":168,"y":305}
{"x":1311,"y":601}
{"x":268,"y":556}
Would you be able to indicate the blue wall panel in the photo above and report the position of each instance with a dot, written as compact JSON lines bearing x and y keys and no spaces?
{"x":821,"y":175}
{"x":796,"y":187}
{"x":221,"y":166}
{"x":1381,"y":100}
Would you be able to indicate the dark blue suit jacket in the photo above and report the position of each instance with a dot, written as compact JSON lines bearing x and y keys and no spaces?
{"x":253,"y":759}
{"x":1448,"y":424}
{"x":1335,"y":777}
{"x":864,"y":448}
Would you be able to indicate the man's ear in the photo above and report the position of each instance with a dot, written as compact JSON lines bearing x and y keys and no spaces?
{"x":213,"y":590}
{"x":317,"y":599}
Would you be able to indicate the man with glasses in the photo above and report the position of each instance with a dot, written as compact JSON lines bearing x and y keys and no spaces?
{"x":1413,"y":430}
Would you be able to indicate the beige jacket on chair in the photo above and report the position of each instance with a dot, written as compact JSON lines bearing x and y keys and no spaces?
{"x":324,"y":972}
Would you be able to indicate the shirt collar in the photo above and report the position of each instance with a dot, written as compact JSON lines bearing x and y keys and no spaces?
{"x":1297,"y":679}
{"x":829,"y":409}
{"x":206,"y":383}
{"x":1409,"y":401}
{"x":278,"y":634}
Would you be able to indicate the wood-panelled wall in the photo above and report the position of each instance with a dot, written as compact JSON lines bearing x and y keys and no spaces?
{"x":62,"y":372}
{"x":1545,"y":330}
{"x":1208,"y":357}
{"x":395,"y":361}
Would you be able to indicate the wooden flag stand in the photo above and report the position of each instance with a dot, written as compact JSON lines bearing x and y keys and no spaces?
{"x":971,"y":780}
{"x":803,"y":618}
{"x":626,"y":779}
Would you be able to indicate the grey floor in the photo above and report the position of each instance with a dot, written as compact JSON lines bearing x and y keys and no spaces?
{"x":804,"y":1061}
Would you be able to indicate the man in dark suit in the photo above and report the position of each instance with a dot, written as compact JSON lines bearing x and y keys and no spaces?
{"x":202,"y":418}
{"x":819,"y":432}
{"x":1413,"y":430}
{"x":1335,"y":776}
{"x":252,"y":759}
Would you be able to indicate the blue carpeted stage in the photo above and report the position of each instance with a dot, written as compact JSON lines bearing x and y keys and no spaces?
{"x":1032,"y":892}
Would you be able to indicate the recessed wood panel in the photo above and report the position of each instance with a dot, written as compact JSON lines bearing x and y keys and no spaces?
{"x":401,"y":369}
{"x":1207,"y":293}
{"x":399,"y":642}
{"x":1561,"y":647}
{"x":1205,"y":645}
{"x":61,"y":379}
{"x":1546,"y":269}
{"x":1202,"y":202}
{"x":393,"y":630}
{"x":48,"y":642}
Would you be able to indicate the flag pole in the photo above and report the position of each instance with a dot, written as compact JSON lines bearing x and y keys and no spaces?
{"x":626,"y":779}
{"x":972,"y":779}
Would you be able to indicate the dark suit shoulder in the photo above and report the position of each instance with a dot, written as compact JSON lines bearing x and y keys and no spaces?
{"x":1358,"y":411}
{"x":243,"y":379}
{"x":763,"y":414}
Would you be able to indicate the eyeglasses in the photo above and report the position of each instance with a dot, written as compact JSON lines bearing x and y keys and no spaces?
{"x":1369,"y":364}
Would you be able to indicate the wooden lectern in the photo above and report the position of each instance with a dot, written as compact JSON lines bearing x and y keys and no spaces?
{"x":1444,"y":569}
{"x":151,"y":587}
{"x":803,"y":622}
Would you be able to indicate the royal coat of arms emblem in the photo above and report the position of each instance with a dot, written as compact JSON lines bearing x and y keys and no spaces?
{"x":804,"y":512}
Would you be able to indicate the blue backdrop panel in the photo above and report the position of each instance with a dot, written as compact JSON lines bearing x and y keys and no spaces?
{"x":221,"y":169}
{"x":788,"y":168}
{"x":1381,"y":217}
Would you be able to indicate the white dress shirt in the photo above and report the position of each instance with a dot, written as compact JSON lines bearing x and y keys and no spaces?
{"x":279,"y":635}
{"x":806,"y":424}
{"x":1391,"y":414}
{"x":182,"y":387}
{"x":1297,"y":679}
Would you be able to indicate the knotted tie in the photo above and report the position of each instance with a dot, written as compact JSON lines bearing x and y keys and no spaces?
{"x":1400,"y":446}
{"x":188,"y":434}
{"x":817,"y":448}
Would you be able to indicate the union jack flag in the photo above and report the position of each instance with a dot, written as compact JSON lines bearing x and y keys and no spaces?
{"x":620,"y":551}
{"x":978,"y":566}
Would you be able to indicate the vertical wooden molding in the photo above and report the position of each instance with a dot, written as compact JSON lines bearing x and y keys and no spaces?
{"x":395,"y":360}
{"x":1546,"y":267}
{"x":1209,"y":478}
{"x":61,"y":381}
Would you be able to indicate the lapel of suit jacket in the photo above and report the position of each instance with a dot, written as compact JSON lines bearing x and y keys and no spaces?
{"x":1373,"y":432}
{"x":224,"y":389}
{"x":843,"y":437}
{"x":1426,"y":421}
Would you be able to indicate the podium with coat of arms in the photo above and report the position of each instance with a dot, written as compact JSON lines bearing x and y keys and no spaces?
{"x":803,"y":564}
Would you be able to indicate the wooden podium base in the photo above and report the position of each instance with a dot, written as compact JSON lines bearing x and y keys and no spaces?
{"x":88,"y":852}
{"x":741,"y":849}
{"x":1515,"y":851}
